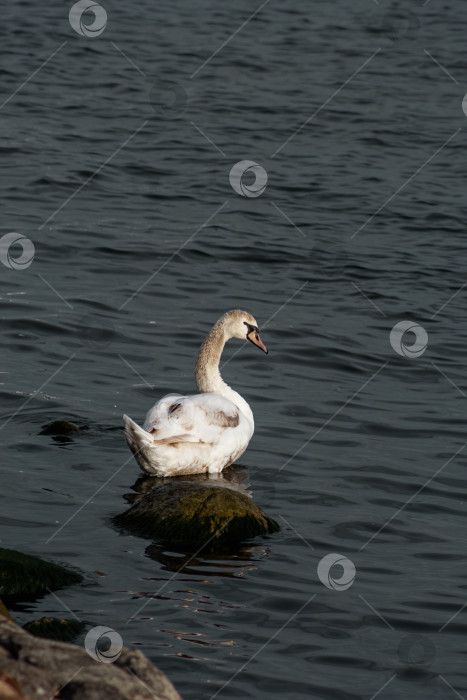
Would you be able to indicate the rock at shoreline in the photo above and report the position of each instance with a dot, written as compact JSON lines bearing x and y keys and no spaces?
{"x":39,"y":668}
{"x":193,"y":514}
{"x":25,"y":576}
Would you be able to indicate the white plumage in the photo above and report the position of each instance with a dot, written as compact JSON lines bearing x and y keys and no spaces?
{"x":205,"y":432}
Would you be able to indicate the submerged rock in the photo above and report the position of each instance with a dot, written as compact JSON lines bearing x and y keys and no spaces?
{"x":41,"y":668}
{"x":60,"y":427}
{"x":194,"y":514}
{"x":25,"y":576}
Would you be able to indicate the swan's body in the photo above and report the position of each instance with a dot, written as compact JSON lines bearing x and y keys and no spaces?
{"x":204,"y":432}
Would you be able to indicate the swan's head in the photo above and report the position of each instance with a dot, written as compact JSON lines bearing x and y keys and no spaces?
{"x":242,"y":325}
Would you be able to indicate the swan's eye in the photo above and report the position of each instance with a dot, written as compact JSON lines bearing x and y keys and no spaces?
{"x":249,"y":329}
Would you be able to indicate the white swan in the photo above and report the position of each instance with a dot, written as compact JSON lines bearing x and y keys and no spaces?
{"x":205,"y":432}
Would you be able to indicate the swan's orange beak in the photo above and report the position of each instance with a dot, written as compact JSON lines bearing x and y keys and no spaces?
{"x":253,"y":337}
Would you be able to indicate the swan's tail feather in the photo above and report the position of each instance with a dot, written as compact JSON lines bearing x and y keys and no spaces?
{"x":145,"y":447}
{"x":140,"y":442}
{"x":135,"y":435}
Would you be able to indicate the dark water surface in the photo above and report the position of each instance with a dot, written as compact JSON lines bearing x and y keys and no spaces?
{"x":116,"y":156}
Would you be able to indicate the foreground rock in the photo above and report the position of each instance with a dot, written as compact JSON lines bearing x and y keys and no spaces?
{"x":193,"y":514}
{"x":25,"y":576}
{"x":39,"y":668}
{"x":10,"y":689}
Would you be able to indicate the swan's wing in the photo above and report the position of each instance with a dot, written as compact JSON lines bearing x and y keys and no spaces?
{"x":216,"y":410}
{"x":202,"y":416}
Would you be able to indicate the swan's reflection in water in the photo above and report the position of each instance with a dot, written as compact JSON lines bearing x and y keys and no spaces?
{"x":230,"y":564}
{"x":209,"y":563}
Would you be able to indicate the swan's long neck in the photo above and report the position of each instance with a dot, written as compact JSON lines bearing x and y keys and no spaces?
{"x":208,"y":376}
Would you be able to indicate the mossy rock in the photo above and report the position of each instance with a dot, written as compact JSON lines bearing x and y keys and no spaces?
{"x":27,"y":577}
{"x":194,"y":514}
{"x":55,"y":628}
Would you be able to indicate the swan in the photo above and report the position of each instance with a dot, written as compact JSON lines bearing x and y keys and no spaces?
{"x":203,"y":432}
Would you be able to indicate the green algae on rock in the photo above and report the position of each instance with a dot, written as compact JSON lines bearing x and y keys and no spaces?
{"x":26,"y":576}
{"x":190,"y":513}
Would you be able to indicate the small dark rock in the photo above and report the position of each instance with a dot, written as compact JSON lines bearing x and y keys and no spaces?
{"x":188,"y":513}
{"x":55,"y":628}
{"x":60,"y":427}
{"x":25,"y":576}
